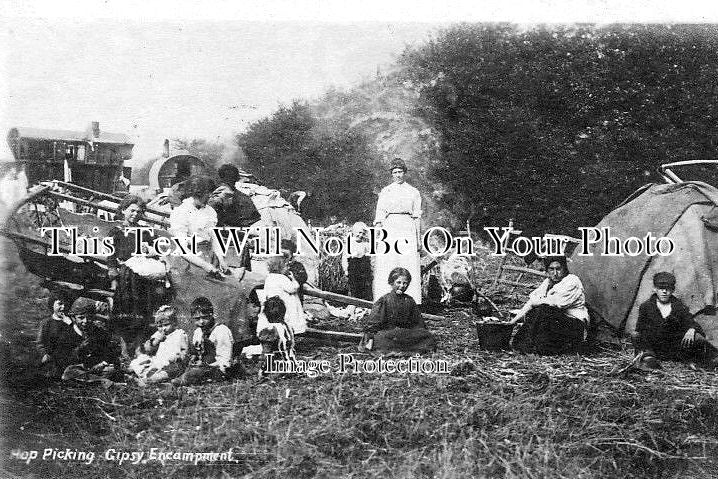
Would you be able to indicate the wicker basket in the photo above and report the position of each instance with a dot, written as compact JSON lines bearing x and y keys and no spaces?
{"x":494,"y":336}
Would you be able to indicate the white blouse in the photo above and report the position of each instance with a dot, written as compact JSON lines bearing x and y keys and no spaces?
{"x":287,"y":289}
{"x":398,"y":198}
{"x":187,"y":220}
{"x":567,"y":294}
{"x":221,"y":337}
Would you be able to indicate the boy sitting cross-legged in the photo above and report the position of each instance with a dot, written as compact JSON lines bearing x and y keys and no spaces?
{"x":666,"y":329}
{"x":212,"y":346}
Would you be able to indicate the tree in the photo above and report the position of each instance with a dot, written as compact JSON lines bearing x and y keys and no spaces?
{"x":555,"y":126}
{"x":292,"y":150}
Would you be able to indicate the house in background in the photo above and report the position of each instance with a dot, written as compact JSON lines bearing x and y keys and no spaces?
{"x":92,"y":158}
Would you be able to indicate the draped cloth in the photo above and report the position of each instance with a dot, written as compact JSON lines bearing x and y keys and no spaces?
{"x":399,"y":211}
{"x":136,"y":298}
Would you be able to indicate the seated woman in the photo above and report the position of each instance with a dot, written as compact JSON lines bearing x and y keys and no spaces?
{"x":555,"y":318}
{"x":395,"y":322}
{"x":163,"y":356}
{"x":194,"y":217}
{"x":140,"y":282}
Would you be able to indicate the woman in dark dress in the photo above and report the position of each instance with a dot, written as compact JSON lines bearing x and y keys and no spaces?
{"x":136,"y":297}
{"x":395,"y":322}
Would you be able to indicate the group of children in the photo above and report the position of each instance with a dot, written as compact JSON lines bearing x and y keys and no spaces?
{"x":80,"y":344}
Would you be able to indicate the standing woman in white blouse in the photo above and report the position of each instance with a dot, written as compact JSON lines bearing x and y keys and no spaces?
{"x":398,"y":211}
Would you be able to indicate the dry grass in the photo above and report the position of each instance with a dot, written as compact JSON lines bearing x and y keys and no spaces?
{"x":496,"y":415}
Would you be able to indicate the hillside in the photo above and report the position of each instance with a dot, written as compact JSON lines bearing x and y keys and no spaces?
{"x":384,"y":112}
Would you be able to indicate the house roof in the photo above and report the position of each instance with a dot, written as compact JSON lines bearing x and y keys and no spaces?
{"x":68,"y":135}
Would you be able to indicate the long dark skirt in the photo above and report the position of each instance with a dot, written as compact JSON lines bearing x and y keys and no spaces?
{"x":135,"y":302}
{"x":547,"y":330}
{"x":414,"y":340}
{"x":359,"y":272}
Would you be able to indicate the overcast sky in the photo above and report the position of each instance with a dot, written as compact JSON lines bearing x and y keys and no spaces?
{"x":190,"y":69}
{"x":184,"y":79}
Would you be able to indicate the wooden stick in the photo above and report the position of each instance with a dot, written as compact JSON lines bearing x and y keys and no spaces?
{"x":335,"y":335}
{"x":340,"y":298}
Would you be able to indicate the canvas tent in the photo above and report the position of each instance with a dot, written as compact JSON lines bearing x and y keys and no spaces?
{"x":685,"y":212}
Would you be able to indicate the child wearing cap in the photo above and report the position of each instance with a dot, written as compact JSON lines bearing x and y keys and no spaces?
{"x":666,"y":329}
{"x":162,"y":356}
{"x":98,"y":354}
{"x":99,"y":350}
{"x":212,"y":345}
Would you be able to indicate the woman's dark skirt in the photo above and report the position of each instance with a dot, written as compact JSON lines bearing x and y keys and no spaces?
{"x":547,"y":330}
{"x":415,"y":340}
{"x":135,"y":302}
{"x":359,"y":272}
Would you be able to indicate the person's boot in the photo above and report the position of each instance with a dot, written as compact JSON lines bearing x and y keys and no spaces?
{"x":649,"y":363}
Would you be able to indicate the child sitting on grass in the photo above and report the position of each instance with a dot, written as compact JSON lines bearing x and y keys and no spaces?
{"x":98,"y":354}
{"x":275,"y":335}
{"x":58,"y":338}
{"x":250,"y":344}
{"x":212,"y":345}
{"x":281,"y":282}
{"x":162,"y":356}
{"x":666,"y":329}
{"x":395,"y":323}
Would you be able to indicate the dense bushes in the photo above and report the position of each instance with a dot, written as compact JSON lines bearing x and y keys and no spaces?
{"x":292,"y":150}
{"x":555,"y":126}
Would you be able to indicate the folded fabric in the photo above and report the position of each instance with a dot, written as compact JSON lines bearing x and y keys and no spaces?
{"x":146,"y":267}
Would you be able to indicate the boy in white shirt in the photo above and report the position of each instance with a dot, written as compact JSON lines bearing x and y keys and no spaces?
{"x":212,"y":346}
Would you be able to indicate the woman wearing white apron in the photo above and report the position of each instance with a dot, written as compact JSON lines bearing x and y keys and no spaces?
{"x":398,"y":211}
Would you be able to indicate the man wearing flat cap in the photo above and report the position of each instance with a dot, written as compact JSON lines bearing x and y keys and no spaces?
{"x":666,"y":329}
{"x":398,"y":211}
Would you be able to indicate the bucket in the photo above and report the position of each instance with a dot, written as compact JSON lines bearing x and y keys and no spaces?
{"x":494,"y":336}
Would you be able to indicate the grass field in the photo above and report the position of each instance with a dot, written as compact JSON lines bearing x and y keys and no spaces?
{"x":495,"y":415}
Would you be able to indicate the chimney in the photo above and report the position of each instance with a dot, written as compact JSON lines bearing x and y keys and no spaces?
{"x":95,"y":127}
{"x":166,"y":149}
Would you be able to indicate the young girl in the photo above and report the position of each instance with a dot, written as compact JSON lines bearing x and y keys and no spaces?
{"x":395,"y":322}
{"x":276,"y":336}
{"x":281,"y":282}
{"x":164,"y":354}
